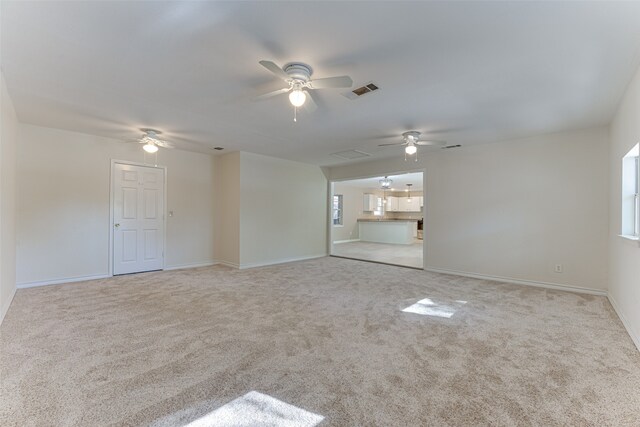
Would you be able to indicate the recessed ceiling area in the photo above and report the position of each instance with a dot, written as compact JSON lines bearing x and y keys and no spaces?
{"x":462,"y":72}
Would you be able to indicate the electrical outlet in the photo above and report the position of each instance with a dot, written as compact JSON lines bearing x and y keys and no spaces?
{"x":558,"y":268}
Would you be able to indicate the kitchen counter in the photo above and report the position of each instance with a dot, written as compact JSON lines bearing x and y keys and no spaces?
{"x":397,"y":231}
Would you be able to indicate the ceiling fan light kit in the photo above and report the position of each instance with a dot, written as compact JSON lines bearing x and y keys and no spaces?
{"x":297,"y":98}
{"x":150,"y":147}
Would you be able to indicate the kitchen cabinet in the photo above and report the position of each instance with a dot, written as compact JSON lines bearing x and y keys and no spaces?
{"x":421,"y":201}
{"x":392,"y":204}
{"x":369,"y":203}
{"x":406,"y":205}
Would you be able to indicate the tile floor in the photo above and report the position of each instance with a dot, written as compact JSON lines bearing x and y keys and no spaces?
{"x":404,"y":255}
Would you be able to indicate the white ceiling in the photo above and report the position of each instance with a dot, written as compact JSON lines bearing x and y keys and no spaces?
{"x":464,"y":72}
{"x":399,"y":182}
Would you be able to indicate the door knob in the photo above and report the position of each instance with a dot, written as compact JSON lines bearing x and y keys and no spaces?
{"x":116,"y":225}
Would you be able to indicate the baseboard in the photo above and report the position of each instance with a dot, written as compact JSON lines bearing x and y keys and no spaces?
{"x":192,"y":265}
{"x":556,"y":286}
{"x":280,"y":261}
{"x":346,"y":241}
{"x":228,"y":264}
{"x":61,"y":281}
{"x":635,"y":338}
{"x":6,"y":305}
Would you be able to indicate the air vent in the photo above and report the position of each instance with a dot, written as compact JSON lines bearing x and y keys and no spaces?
{"x":452,"y":146}
{"x":218,"y":148}
{"x":350,"y":154}
{"x":362,"y":90}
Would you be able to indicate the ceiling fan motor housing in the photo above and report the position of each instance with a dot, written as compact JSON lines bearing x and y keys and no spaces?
{"x":298,"y":71}
{"x":411,"y":135}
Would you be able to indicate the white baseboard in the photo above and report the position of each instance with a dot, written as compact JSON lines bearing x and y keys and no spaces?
{"x":6,"y":305}
{"x":345,"y":241}
{"x":634,"y":337}
{"x":557,"y":286}
{"x":191,"y":265}
{"x":280,"y":261}
{"x":61,"y":281}
{"x":228,"y":264}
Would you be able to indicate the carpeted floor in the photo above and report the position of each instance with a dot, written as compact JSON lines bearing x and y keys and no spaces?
{"x":330,"y":341}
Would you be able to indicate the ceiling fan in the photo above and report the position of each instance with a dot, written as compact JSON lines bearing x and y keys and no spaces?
{"x":411,"y":140}
{"x":151,"y":140}
{"x":297,"y":75}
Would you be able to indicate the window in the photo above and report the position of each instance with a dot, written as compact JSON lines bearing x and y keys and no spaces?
{"x":630,"y":193}
{"x":337,"y":209}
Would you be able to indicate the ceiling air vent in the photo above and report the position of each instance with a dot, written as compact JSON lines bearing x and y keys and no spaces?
{"x":350,"y":154}
{"x":452,"y":146}
{"x":218,"y":148}
{"x":362,"y":90}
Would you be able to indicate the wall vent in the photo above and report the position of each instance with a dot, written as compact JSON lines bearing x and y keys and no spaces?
{"x":350,"y":154}
{"x":362,"y":90}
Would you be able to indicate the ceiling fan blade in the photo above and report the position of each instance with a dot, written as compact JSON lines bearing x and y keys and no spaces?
{"x":331,"y":82}
{"x":310,"y":105}
{"x":392,"y":143}
{"x":270,"y":94}
{"x":164,"y":144}
{"x":434,"y":143}
{"x":271,"y":66}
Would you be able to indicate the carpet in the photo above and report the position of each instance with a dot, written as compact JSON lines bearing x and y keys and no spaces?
{"x":328,"y":342}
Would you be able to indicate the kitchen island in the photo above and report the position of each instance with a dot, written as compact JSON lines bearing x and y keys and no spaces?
{"x":398,"y":231}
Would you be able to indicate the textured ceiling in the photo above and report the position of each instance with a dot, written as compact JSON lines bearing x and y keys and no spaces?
{"x":467,"y":73}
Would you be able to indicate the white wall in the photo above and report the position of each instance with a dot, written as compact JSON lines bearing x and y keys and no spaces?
{"x":227,"y":214}
{"x":63,"y":182}
{"x":512,"y":210}
{"x":624,"y":255}
{"x":283,"y":210}
{"x":8,"y":142}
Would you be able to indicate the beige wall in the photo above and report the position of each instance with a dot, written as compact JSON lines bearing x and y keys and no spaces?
{"x":512,"y":210}
{"x":63,"y":181}
{"x":283,"y":210}
{"x":352,"y":207}
{"x":227,"y":214}
{"x":624,"y":255}
{"x":8,"y":142}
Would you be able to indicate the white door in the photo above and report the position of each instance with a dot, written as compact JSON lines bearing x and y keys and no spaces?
{"x":138,"y":218}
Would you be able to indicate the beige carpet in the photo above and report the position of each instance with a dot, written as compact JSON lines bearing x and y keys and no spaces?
{"x":323,"y":341}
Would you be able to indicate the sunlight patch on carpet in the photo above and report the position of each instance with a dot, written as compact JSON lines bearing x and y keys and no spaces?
{"x":257,"y":409}
{"x":427,"y":307}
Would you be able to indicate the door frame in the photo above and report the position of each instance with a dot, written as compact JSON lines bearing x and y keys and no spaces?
{"x":112,"y":199}
{"x":330,"y":190}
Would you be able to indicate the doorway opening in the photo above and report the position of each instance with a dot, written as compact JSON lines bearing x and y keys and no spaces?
{"x":379,"y":219}
{"x":137,"y":236}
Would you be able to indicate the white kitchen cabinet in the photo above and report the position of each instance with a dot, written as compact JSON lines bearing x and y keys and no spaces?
{"x":370,"y":203}
{"x":392,"y":204}
{"x":406,"y":205}
{"x":421,"y":201}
